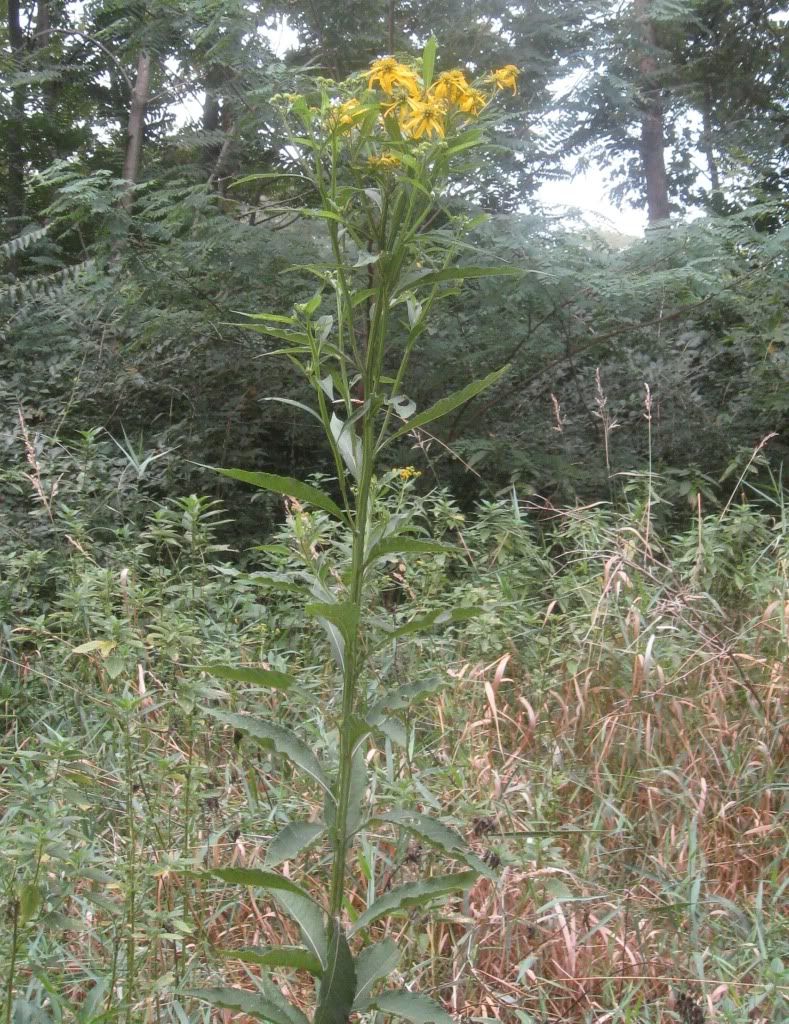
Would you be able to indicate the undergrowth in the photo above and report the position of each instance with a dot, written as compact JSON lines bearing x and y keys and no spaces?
{"x":609,"y":734}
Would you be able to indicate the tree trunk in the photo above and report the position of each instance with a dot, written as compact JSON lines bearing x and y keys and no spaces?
{"x":136,"y":130}
{"x":15,"y":153}
{"x":391,"y":24}
{"x":652,"y":136}
{"x":43,"y":25}
{"x":708,"y":149}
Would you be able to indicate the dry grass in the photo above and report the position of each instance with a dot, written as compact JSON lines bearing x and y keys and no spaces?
{"x":627,"y":773}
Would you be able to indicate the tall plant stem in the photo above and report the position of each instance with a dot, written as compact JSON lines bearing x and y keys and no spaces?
{"x":352,"y":670}
{"x":9,"y":993}
{"x":131,"y":873}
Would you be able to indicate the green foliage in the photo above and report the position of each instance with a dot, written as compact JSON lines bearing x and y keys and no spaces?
{"x":580,"y":597}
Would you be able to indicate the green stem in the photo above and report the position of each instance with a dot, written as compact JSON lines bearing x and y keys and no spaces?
{"x":131,"y":874}
{"x":352,"y":671}
{"x":9,"y":994}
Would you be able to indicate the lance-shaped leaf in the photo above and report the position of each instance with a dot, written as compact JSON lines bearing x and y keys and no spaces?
{"x":458,"y":274}
{"x":438,"y":617}
{"x":446,"y":405}
{"x":411,"y":1006}
{"x":437,"y":834}
{"x":309,"y":917}
{"x":293,"y":840}
{"x":288,"y":487}
{"x":278,"y":738}
{"x":403,"y":696}
{"x":429,"y":60}
{"x":374,"y":962}
{"x":357,"y":790}
{"x":277,"y":956}
{"x":409,"y":546}
{"x":415,"y":894}
{"x":248,"y":674}
{"x":344,"y":615}
{"x":338,"y":984}
{"x":251,"y":1003}
{"x":257,"y":877}
{"x":392,"y":728}
{"x":348,"y":442}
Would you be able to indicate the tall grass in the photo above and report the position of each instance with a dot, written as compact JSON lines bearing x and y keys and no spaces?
{"x":610,"y":733}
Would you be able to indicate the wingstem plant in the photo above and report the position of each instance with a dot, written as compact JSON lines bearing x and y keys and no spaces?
{"x":377,"y":151}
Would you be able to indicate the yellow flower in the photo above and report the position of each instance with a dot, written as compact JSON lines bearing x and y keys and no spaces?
{"x":506,"y":77}
{"x":473,"y":102}
{"x":425,"y":117}
{"x":408,"y":473}
{"x":451,"y":86}
{"x":388,"y":72}
{"x":397,"y":108}
{"x":346,"y":114}
{"x":384,"y":162}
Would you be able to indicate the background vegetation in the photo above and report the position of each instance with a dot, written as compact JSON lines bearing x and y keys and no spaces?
{"x":610,"y":732}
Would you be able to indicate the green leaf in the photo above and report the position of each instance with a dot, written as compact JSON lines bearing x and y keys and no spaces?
{"x":276,"y":998}
{"x":357,"y":791}
{"x":338,"y":984}
{"x":293,"y":840}
{"x":259,"y":878}
{"x":309,"y":917}
{"x":429,"y":61}
{"x":403,"y":696}
{"x":458,"y":274}
{"x":278,"y":738}
{"x":409,"y":546}
{"x":248,"y":674}
{"x":277,"y":956}
{"x":439,"y":617}
{"x":415,"y":894}
{"x":104,"y":647}
{"x":373,"y":963}
{"x":446,"y":405}
{"x":412,"y":1006}
{"x":30,"y":900}
{"x":294,"y":404}
{"x":467,"y":141}
{"x":299,"y":340}
{"x":393,"y":729}
{"x":288,"y":486}
{"x":437,"y":834}
{"x":348,"y":442}
{"x":271,"y":175}
{"x":251,"y":1003}
{"x":344,"y":615}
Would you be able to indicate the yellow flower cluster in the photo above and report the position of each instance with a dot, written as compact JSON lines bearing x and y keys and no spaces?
{"x":345,"y":115}
{"x":423,"y":112}
{"x":384,"y":162}
{"x":408,"y":473}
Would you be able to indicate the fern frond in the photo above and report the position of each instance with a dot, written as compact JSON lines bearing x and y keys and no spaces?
{"x":21,"y":242}
{"x":45,"y":284}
